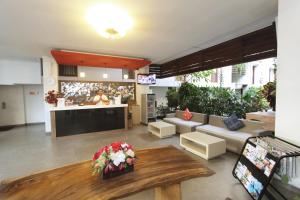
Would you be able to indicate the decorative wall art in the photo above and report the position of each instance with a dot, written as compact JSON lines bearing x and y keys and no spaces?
{"x":85,"y":91}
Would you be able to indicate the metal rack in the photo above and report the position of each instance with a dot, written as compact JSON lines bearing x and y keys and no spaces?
{"x":260,"y":159}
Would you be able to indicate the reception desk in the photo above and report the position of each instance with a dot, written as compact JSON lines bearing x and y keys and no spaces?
{"x":72,"y":120}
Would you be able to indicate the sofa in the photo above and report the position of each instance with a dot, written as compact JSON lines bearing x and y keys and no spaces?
{"x":234,"y":139}
{"x":183,"y":126}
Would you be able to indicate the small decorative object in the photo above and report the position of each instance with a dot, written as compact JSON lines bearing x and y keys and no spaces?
{"x":51,"y":97}
{"x":113,"y":160}
{"x":61,"y":102}
{"x":187,"y":115}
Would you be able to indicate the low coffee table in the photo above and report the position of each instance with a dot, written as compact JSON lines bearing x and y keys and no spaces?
{"x":203,"y":145}
{"x":162,"y":129}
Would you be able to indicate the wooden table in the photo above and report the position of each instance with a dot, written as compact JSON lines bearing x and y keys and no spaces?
{"x":160,"y":168}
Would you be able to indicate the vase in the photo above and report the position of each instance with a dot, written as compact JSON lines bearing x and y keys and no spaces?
{"x":116,"y":173}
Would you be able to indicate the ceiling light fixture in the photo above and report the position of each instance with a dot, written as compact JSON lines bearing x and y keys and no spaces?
{"x":125,"y":76}
{"x":109,"y":21}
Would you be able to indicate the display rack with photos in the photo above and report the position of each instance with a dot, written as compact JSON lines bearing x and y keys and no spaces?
{"x":259,"y":160}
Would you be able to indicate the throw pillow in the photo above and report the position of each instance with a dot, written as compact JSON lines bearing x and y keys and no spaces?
{"x":233,"y":123}
{"x":187,"y":115}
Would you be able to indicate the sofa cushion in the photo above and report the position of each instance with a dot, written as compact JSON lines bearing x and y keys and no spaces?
{"x":187,"y":115}
{"x":225,"y":133}
{"x":234,"y":139}
{"x":181,"y":122}
{"x":233,"y":123}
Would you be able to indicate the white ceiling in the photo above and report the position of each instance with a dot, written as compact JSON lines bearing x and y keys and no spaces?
{"x":163,"y":29}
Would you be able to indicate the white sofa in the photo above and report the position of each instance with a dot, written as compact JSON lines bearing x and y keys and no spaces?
{"x":234,"y":139}
{"x":183,"y":126}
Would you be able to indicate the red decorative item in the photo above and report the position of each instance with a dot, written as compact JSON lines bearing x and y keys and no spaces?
{"x":51,"y":97}
{"x":114,"y":160}
{"x":187,"y":115}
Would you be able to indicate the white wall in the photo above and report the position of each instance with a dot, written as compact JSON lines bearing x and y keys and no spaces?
{"x":14,"y":113}
{"x":34,"y":103}
{"x":288,"y":72}
{"x":20,"y":72}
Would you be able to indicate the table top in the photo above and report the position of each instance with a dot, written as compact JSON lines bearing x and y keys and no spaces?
{"x":161,"y":124}
{"x":202,"y":138}
{"x":77,"y":107}
{"x":155,"y":167}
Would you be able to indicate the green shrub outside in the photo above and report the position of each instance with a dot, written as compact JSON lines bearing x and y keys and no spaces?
{"x":218,"y":101}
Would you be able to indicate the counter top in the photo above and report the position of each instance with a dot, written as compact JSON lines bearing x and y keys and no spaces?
{"x":76,"y":107}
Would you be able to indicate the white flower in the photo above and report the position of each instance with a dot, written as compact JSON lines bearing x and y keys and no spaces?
{"x":124,"y":145}
{"x":130,"y":153}
{"x":117,"y":158}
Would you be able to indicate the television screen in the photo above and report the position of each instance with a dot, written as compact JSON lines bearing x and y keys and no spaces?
{"x":146,"y":79}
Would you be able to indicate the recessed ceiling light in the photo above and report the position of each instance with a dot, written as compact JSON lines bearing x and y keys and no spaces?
{"x":105,"y":75}
{"x":109,"y":21}
{"x":82,"y":74}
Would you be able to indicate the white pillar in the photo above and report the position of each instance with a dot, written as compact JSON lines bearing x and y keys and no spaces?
{"x":288,"y":74}
{"x":50,"y":82}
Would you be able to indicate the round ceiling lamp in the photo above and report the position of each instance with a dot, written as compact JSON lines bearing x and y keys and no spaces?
{"x":109,"y":21}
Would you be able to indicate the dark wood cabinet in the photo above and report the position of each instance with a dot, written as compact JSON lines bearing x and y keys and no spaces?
{"x":71,"y":122}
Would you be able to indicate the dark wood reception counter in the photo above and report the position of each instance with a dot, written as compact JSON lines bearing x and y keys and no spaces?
{"x":71,"y":120}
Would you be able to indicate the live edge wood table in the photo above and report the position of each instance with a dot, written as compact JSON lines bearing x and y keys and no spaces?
{"x":160,"y":168}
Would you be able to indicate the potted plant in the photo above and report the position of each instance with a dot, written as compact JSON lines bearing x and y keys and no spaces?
{"x":51,"y":97}
{"x":114,"y":160}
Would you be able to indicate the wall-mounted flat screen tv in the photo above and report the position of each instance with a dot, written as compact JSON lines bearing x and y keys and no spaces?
{"x":146,"y":79}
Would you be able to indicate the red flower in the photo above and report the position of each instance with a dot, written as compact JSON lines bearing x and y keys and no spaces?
{"x":130,"y":147}
{"x":121,"y":166}
{"x":108,"y":168}
{"x":116,"y":146}
{"x":99,"y":152}
{"x":130,"y":161}
{"x":96,"y":155}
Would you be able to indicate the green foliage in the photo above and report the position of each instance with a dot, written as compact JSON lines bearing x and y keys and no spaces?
{"x":296,"y":198}
{"x":162,"y":110}
{"x":219,"y":101}
{"x":196,"y":76}
{"x":285,"y":179}
{"x":254,"y":100}
{"x":173,"y":98}
{"x":240,"y":68}
{"x":269,"y":92}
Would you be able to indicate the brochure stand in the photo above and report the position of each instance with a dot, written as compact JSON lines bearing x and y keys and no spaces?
{"x":260,"y":159}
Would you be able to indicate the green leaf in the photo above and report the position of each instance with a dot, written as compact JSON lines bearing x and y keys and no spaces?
{"x":285,"y":179}
{"x":296,"y":198}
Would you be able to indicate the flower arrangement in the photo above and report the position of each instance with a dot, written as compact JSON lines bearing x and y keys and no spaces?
{"x":114,"y":159}
{"x":51,"y":97}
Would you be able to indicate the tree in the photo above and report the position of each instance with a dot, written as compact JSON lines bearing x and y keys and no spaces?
{"x":196,"y":76}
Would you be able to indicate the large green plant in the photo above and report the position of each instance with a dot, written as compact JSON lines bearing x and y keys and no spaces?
{"x":255,"y":100}
{"x":173,"y":98}
{"x":219,"y":101}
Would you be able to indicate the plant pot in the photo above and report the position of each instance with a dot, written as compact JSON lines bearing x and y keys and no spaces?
{"x":116,"y":173}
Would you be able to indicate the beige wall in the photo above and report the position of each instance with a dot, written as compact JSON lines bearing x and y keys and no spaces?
{"x":14,"y":112}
